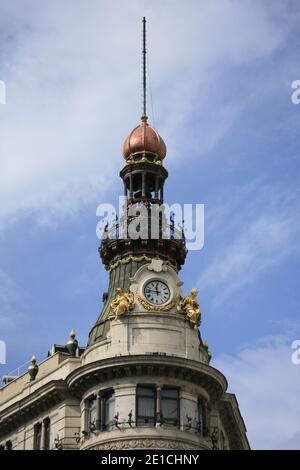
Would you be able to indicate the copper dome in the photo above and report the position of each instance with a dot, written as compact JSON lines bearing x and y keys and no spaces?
{"x":144,"y":138}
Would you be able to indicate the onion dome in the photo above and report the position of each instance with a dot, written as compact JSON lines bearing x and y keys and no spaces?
{"x":144,"y":139}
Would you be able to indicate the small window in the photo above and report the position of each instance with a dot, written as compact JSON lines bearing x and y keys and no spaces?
{"x":146,"y":397}
{"x":109,"y":410}
{"x":170,"y":406}
{"x":37,"y":436}
{"x":91,"y":416}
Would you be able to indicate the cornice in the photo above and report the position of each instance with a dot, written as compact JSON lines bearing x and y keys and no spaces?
{"x":32,"y":405}
{"x":80,"y":380}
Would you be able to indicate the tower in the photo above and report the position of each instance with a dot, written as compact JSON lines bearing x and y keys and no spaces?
{"x":145,"y":375}
{"x":144,"y":381}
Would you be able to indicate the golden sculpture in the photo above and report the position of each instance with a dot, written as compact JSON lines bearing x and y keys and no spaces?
{"x":190,"y":307}
{"x":123,"y":302}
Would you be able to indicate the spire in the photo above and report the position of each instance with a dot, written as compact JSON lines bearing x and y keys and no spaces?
{"x":144,"y":70}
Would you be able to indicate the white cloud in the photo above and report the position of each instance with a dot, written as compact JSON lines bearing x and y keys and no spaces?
{"x":269,"y":235}
{"x":73,"y":87}
{"x":267,"y":386}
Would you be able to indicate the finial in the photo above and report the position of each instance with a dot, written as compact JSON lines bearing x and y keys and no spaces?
{"x":144,"y":69}
{"x":33,"y":368}
{"x":72,"y":344}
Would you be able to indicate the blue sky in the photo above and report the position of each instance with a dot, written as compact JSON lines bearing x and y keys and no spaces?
{"x":221,"y":74}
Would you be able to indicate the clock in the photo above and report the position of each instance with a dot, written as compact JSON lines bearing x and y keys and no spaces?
{"x":157,"y":292}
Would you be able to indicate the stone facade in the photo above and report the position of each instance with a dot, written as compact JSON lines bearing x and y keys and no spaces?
{"x":155,"y":349}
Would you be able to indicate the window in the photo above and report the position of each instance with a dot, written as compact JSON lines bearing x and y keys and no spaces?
{"x":46,"y":444}
{"x":37,"y":435}
{"x":203,"y":417}
{"x":146,"y":410}
{"x":109,"y":410}
{"x":91,"y":416}
{"x":200,"y":418}
{"x":170,"y":406}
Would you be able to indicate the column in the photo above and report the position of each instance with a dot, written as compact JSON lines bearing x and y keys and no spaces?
{"x":43,"y":435}
{"x":162,"y":193}
{"x":102,"y":411}
{"x":130,"y":186}
{"x":98,"y":411}
{"x":158,"y":404}
{"x":143,"y":184}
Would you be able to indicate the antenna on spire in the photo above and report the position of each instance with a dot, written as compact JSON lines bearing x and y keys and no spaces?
{"x":144,"y":69}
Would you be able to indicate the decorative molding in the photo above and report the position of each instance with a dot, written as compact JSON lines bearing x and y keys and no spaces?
{"x":155,"y":308}
{"x":139,"y":258}
{"x":144,"y":444}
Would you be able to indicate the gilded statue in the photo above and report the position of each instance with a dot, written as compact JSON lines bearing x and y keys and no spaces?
{"x":190,"y":307}
{"x":123,"y":302}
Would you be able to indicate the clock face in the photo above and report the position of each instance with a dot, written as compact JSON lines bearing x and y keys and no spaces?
{"x":157,"y":292}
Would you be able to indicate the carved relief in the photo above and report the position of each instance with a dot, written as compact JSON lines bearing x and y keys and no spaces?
{"x":145,"y":444}
{"x":156,"y":308}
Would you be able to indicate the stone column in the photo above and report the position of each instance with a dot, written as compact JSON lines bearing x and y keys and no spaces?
{"x":98,"y":411}
{"x":158,"y":404}
{"x":102,"y":411}
{"x":43,"y":435}
{"x":84,"y":411}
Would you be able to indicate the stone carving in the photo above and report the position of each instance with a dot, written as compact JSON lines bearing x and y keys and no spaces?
{"x":156,"y":308}
{"x":122,"y":303}
{"x":145,"y":444}
{"x":157,"y":265}
{"x":214,"y":436}
{"x":190,"y":307}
